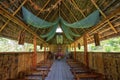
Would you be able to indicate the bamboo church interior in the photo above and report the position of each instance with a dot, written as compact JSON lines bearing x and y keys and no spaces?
{"x":59,"y":39}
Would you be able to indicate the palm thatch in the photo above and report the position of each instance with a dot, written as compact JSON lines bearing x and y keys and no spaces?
{"x":11,"y":22}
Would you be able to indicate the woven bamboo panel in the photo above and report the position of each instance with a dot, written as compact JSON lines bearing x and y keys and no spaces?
{"x":106,"y":63}
{"x":12,"y":63}
{"x":25,"y":62}
{"x":8,"y":66}
{"x":80,"y":57}
{"x":40,"y":57}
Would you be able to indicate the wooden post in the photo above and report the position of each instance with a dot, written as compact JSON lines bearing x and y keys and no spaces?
{"x":44,"y":54}
{"x":74,"y":51}
{"x":85,"y":51}
{"x":35,"y":53}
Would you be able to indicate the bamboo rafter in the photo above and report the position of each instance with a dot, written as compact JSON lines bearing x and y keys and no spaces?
{"x":38,"y":15}
{"x":18,"y":22}
{"x":44,"y":19}
{"x":112,"y":27}
{"x":103,"y":31}
{"x":73,"y":15}
{"x":43,"y":7}
{"x":13,"y":15}
{"x":79,"y":8}
{"x":69,"y":11}
{"x":115,"y":12}
{"x":109,"y":27}
{"x":82,"y":15}
{"x":65,"y":16}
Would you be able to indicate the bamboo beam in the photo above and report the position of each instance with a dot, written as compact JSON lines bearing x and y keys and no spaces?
{"x":73,"y":15}
{"x":70,"y":11}
{"x":44,"y":19}
{"x":40,"y":12}
{"x":85,"y":51}
{"x":79,"y":8}
{"x":112,"y":27}
{"x":43,"y":7}
{"x":18,"y":22}
{"x":102,"y":31}
{"x":67,"y":18}
{"x":13,"y":15}
{"x":81,"y":13}
{"x":115,"y":12}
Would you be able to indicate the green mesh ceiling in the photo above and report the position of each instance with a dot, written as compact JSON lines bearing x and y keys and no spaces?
{"x":33,"y":20}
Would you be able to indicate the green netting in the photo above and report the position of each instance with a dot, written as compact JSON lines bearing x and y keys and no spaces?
{"x":33,"y":20}
{"x":66,"y":31}
{"x":53,"y":32}
{"x":87,"y":22}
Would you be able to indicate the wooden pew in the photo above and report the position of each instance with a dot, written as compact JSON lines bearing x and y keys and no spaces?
{"x":96,"y":76}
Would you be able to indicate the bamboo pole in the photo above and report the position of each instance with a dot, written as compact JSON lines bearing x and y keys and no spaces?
{"x":81,"y":13}
{"x":85,"y":51}
{"x":13,"y":15}
{"x":40,"y":12}
{"x":44,"y":54}
{"x":101,"y":32}
{"x":18,"y":22}
{"x":115,"y":12}
{"x":73,"y":16}
{"x":75,"y":51}
{"x":67,"y":18}
{"x":104,"y":25}
{"x":112,"y":27}
{"x":79,"y":9}
{"x":43,"y":7}
{"x":35,"y":53}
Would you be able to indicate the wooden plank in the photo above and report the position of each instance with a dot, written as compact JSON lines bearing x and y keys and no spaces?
{"x":112,"y":27}
{"x":13,"y":15}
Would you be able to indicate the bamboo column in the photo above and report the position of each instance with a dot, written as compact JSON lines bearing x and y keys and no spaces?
{"x":85,"y":51}
{"x":75,"y":51}
{"x":35,"y":53}
{"x":44,"y":54}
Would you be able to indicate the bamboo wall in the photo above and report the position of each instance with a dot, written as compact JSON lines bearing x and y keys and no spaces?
{"x":40,"y":56}
{"x":13,"y":63}
{"x":106,"y":63}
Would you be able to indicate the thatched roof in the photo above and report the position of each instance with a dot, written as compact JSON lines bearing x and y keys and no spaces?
{"x":11,"y":22}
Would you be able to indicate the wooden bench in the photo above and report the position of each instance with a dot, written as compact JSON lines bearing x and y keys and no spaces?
{"x":97,"y":76}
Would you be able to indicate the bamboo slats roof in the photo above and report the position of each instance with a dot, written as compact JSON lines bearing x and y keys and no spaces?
{"x":11,"y":22}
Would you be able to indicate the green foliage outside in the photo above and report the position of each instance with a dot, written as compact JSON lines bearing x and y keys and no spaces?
{"x":7,"y":45}
{"x":110,"y":45}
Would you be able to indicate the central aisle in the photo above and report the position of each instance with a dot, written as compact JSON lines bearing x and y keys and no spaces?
{"x":60,"y":71}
